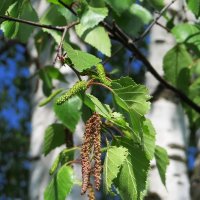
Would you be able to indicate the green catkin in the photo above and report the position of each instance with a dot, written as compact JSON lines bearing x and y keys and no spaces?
{"x":77,"y":87}
{"x":102,"y":75}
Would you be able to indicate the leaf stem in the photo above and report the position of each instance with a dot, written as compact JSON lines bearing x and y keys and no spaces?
{"x":101,"y":84}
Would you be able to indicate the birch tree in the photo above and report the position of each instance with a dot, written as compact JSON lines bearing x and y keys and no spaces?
{"x":120,"y":131}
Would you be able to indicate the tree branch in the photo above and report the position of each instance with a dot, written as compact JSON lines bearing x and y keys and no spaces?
{"x":126,"y":41}
{"x":8,"y":18}
{"x":56,"y":28}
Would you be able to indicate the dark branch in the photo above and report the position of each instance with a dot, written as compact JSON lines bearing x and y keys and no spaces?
{"x":56,"y":28}
{"x":162,"y":26}
{"x":126,"y":41}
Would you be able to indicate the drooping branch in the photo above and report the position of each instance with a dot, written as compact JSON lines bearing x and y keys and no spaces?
{"x":120,"y":36}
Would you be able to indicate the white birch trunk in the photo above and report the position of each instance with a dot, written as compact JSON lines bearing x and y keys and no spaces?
{"x":42,"y":117}
{"x":170,"y":124}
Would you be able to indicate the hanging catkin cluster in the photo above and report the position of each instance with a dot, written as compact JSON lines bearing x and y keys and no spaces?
{"x":92,"y":137}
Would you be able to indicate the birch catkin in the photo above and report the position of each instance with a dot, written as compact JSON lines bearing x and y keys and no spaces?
{"x":91,"y":137}
{"x":77,"y":87}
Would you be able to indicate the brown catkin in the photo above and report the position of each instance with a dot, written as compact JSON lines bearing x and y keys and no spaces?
{"x":97,"y":157}
{"x":91,"y":195}
{"x":92,"y":130}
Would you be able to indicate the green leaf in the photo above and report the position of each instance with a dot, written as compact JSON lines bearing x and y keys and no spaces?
{"x":41,"y":43}
{"x":119,"y":120}
{"x":92,"y":16}
{"x":142,"y":13}
{"x":63,"y":157}
{"x":188,"y":34}
{"x":174,"y":62}
{"x":57,"y":20}
{"x":94,"y":37}
{"x":81,"y":60}
{"x":54,"y":73}
{"x":132,"y":179}
{"x":47,"y":74}
{"x":149,"y":137}
{"x":193,"y":116}
{"x":22,"y":10}
{"x":194,"y":6}
{"x":93,"y":103}
{"x":5,"y":5}
{"x":157,"y":4}
{"x":67,"y":155}
{"x":105,"y":111}
{"x":69,"y":112}
{"x":119,"y":6}
{"x":61,"y":184}
{"x":54,"y":137}
{"x":47,"y":85}
{"x":67,"y":2}
{"x":114,"y":159}
{"x":133,"y":99}
{"x":162,"y":161}
{"x":130,"y":95}
{"x":50,"y":98}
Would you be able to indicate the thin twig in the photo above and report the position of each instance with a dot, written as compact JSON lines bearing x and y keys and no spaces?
{"x":154,"y":21}
{"x":101,"y":84}
{"x":56,"y":28}
{"x":31,"y":23}
{"x":164,"y":27}
{"x":62,"y":39}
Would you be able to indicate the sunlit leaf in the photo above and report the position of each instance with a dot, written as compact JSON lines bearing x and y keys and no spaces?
{"x":115,"y":157}
{"x":131,"y":95}
{"x":194,"y":6}
{"x":54,"y":137}
{"x":188,"y":34}
{"x":80,"y":59}
{"x":69,"y":112}
{"x":162,"y":161}
{"x":142,"y":13}
{"x":60,"y":185}
{"x":119,"y":6}
{"x":131,"y":182}
{"x":94,"y":37}
{"x":92,"y":16}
